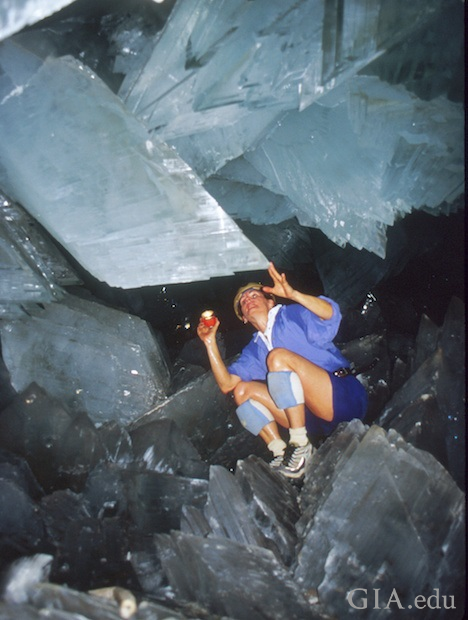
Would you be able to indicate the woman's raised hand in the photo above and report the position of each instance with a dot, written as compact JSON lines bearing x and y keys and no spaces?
{"x":280,"y":287}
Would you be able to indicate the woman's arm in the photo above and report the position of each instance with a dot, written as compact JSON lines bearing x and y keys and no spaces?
{"x":321,"y":307}
{"x":226,"y":382}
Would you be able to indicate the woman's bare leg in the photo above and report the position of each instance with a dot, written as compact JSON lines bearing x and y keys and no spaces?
{"x":270,"y":432}
{"x":259,"y":392}
{"x":318,"y":394}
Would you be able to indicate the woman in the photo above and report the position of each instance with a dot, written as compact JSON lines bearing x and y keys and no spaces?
{"x":290,"y":373}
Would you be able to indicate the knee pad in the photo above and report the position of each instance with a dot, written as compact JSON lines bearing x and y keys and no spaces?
{"x":285,"y":388}
{"x":254,"y":416}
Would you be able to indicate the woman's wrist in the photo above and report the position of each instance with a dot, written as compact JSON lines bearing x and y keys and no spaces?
{"x":295,"y":296}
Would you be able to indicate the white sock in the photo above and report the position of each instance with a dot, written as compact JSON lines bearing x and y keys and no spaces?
{"x":298,"y":436}
{"x":277,"y":446}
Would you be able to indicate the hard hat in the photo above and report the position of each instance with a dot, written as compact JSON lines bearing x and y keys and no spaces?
{"x":258,"y":286}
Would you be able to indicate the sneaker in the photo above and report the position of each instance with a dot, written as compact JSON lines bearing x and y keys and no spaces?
{"x":276,"y":461}
{"x":295,"y":459}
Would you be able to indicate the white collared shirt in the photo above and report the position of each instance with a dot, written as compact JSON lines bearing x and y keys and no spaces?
{"x":266,"y":335}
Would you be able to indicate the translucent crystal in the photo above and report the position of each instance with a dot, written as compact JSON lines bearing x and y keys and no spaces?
{"x":208,"y":68}
{"x":362,"y":157}
{"x":16,"y":14}
{"x":32,"y":266}
{"x":128,"y":209}
{"x":93,"y":358}
{"x":362,"y":515}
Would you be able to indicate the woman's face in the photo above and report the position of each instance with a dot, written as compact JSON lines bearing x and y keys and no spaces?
{"x":253,"y":302}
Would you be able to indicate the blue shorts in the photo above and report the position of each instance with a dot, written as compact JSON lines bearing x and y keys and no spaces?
{"x":349,"y":402}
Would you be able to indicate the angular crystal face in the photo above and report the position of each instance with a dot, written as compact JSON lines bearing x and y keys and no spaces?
{"x":128,"y":209}
{"x":21,"y":13}
{"x":271,"y":83}
{"x":91,"y":357}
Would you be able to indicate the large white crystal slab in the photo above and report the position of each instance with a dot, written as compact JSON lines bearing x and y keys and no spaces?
{"x":128,"y":209}
{"x":16,"y":14}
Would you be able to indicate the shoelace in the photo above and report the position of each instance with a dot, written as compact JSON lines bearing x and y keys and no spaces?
{"x":277,"y":461}
{"x":294,"y":454}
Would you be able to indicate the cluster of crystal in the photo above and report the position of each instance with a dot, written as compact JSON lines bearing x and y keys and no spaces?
{"x":207,"y":527}
{"x":358,"y":527}
{"x":224,"y":76}
{"x":33,"y":269}
{"x":264,"y":103}
{"x":352,"y":165}
{"x":255,"y":111}
{"x":364,"y":527}
{"x":429,"y":408}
